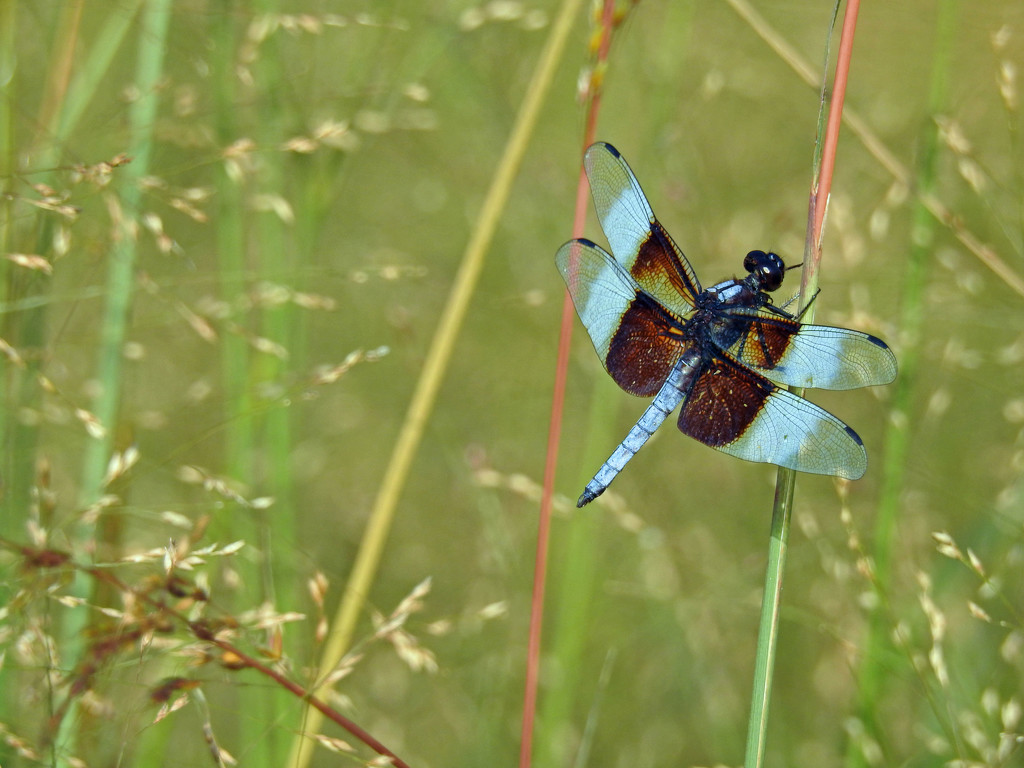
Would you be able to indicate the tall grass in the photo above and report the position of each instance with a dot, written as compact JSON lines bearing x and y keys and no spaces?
{"x":257,"y":448}
{"x":216,"y":216}
{"x":68,"y":92}
{"x":119,"y":292}
{"x":574,"y":601}
{"x":437,"y":361}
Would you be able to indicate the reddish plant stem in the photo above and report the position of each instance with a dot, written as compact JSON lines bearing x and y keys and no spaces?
{"x":823,"y":184}
{"x":297,"y":690}
{"x":49,"y":558}
{"x":555,"y":423}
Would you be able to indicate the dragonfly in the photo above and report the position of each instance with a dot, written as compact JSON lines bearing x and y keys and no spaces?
{"x":721,"y":354}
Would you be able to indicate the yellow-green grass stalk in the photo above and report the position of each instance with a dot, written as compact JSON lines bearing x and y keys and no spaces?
{"x":768,"y":630}
{"x":438,"y":357}
{"x":878,"y":648}
{"x":68,"y":102}
{"x":121,"y":265}
{"x":230,"y":237}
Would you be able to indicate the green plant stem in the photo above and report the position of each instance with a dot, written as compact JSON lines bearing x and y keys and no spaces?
{"x":64,"y":104}
{"x":579,"y":580}
{"x":231,"y":247}
{"x":121,"y":267}
{"x":768,"y":632}
{"x":120,"y":283}
{"x":276,"y":258}
{"x":8,"y":165}
{"x":8,"y":427}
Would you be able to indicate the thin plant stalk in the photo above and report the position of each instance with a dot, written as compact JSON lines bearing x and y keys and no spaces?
{"x":231,"y":244}
{"x":768,"y":632}
{"x":8,"y":164}
{"x":30,"y":330}
{"x":581,"y":564}
{"x":272,"y":430}
{"x":860,"y":128}
{"x":68,"y":91}
{"x":438,"y":357}
{"x":119,"y":293}
{"x":121,"y":270}
{"x":8,"y":62}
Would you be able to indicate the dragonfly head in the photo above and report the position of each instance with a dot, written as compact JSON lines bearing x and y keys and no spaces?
{"x":767,"y":269}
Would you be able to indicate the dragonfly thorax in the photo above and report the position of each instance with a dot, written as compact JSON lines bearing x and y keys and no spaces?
{"x":767,"y":271}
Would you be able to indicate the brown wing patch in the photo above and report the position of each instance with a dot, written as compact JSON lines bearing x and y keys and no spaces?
{"x":662,"y":271}
{"x":723,"y":401}
{"x":643,"y":349}
{"x":759,"y":341}
{"x":767,"y":341}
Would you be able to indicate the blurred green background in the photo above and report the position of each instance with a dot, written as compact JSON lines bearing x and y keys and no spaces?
{"x":313,"y":174}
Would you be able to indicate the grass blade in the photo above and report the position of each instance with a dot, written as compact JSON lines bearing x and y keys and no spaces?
{"x":119,"y":292}
{"x":579,"y":554}
{"x":443,"y":343}
{"x":768,"y":631}
{"x":767,"y":641}
{"x":121,"y":272}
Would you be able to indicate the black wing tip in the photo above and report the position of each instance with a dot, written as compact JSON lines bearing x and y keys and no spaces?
{"x":571,"y":250}
{"x":579,"y":241}
{"x":876,"y":341}
{"x":570,"y":246}
{"x":855,"y":436}
{"x":892,"y":358}
{"x":606,"y":146}
{"x":857,"y":470}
